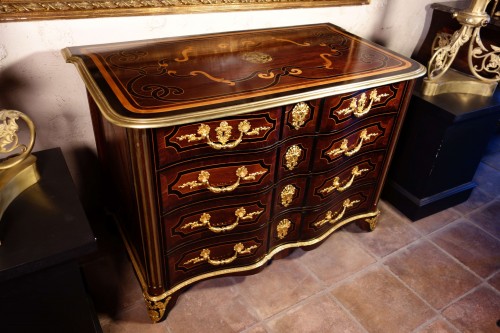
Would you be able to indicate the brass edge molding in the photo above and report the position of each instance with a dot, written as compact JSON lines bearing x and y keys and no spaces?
{"x":258,"y":264}
{"x":214,"y":113}
{"x":138,"y":149}
{"x":15,"y":10}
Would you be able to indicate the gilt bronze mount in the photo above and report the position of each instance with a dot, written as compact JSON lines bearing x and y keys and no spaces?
{"x":18,"y":167}
{"x":483,"y":60}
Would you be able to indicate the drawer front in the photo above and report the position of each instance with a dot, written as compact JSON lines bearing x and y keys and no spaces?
{"x":301,"y":118}
{"x":284,"y":228}
{"x":353,"y":202}
{"x":226,"y":136}
{"x":369,"y":135}
{"x":215,"y":178}
{"x":216,"y":219}
{"x":342,"y":111}
{"x":358,"y":171}
{"x":289,"y":194}
{"x":227,"y":253}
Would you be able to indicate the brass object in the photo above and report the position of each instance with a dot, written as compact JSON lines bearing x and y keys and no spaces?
{"x":204,"y":176}
{"x":337,"y":184}
{"x":358,"y":107}
{"x":329,"y":215}
{"x":282,"y":228}
{"x":373,"y":221}
{"x":344,"y":148}
{"x":156,"y":308}
{"x":484,"y":63}
{"x":287,"y":195}
{"x":204,"y":220}
{"x":17,"y":170}
{"x":292,"y":156}
{"x":223,"y":134}
{"x":205,"y":256}
{"x":300,"y":112}
{"x":19,"y":10}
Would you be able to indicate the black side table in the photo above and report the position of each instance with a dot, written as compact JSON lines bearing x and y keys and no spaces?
{"x":44,"y":232}
{"x":440,"y":147}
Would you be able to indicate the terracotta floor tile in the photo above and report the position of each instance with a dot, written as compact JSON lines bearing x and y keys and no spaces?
{"x":438,"y":326}
{"x":495,"y":281}
{"x":477,"y":198}
{"x":317,"y":315}
{"x":436,"y":221}
{"x":381,"y":303}
{"x":132,"y":320}
{"x":488,"y":179}
{"x":211,"y":306}
{"x":477,"y":312}
{"x":392,"y":233}
{"x":493,"y":160}
{"x":279,"y":286}
{"x":488,"y":218}
{"x":338,"y":257}
{"x":432,"y":274}
{"x":256,"y":329}
{"x":470,"y":245}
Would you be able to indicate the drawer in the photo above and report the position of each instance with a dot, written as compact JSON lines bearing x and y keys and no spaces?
{"x":301,"y":118}
{"x":342,"y":111}
{"x":360,"y":170}
{"x":227,"y":253}
{"x":353,"y":202}
{"x":222,"y":136}
{"x":217,"y":218}
{"x":284,"y":228}
{"x":372,"y":134}
{"x":294,"y":156}
{"x":290,"y":194}
{"x":194,"y":183}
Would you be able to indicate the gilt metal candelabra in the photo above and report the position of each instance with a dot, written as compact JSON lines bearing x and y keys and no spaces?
{"x":18,"y":169}
{"x":483,"y":61}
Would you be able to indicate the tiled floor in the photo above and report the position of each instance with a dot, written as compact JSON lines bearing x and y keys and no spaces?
{"x":439,"y":274}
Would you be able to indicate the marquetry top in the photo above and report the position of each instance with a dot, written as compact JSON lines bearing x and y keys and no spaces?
{"x":169,"y":81}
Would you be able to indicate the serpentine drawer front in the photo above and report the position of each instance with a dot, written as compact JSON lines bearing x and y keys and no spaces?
{"x":227,"y":149}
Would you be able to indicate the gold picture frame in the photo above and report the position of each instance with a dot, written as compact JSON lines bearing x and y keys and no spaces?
{"x":21,"y":10}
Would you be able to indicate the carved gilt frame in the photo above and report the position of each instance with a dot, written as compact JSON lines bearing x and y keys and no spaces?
{"x":22,"y":10}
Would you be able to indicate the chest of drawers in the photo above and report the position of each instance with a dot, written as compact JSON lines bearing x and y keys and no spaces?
{"x":226,"y":150}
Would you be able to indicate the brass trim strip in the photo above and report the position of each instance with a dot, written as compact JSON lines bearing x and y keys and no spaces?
{"x":258,"y":264}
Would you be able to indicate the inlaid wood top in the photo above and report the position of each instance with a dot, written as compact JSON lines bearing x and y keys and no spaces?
{"x":161,"y":82}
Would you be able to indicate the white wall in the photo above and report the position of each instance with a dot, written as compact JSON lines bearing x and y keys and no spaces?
{"x":35,"y":79}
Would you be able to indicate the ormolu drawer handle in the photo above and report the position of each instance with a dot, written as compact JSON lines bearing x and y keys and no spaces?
{"x":336,"y":184}
{"x":357,"y":107}
{"x":282,"y":228}
{"x":344,"y":149}
{"x":292,"y":156}
{"x":205,"y":256}
{"x":240,"y":213}
{"x":299,"y":114}
{"x":203,"y":177}
{"x":329,"y":215}
{"x":224,"y":133}
{"x":287,"y":195}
